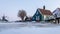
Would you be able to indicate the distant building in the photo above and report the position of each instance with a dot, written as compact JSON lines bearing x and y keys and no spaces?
{"x":28,"y":18}
{"x":4,"y":18}
{"x":42,"y":14}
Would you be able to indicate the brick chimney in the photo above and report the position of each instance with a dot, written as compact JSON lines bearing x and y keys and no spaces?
{"x":44,"y":7}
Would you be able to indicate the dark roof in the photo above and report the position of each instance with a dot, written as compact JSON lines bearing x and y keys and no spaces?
{"x":45,"y":12}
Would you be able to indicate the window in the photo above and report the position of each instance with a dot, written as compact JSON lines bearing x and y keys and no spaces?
{"x":55,"y":15}
{"x":37,"y":13}
{"x":37,"y":17}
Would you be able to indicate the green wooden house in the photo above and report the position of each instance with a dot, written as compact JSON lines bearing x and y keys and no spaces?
{"x":42,"y":14}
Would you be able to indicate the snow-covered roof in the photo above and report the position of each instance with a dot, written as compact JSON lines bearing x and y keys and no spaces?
{"x":56,"y":12}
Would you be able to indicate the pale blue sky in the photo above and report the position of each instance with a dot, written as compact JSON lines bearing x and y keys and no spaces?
{"x":11,"y":7}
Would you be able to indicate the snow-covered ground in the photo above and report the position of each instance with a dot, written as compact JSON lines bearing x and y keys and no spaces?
{"x":29,"y":28}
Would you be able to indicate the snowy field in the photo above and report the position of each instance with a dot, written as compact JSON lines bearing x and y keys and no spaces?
{"x":29,"y":28}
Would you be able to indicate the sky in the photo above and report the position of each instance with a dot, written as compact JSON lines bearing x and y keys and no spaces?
{"x":10,"y":8}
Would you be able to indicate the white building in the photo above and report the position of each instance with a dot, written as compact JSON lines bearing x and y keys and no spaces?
{"x":56,"y":14}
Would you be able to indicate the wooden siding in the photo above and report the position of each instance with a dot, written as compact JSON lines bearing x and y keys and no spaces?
{"x":37,"y":16}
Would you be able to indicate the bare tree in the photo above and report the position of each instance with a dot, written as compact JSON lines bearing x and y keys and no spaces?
{"x":22,"y":14}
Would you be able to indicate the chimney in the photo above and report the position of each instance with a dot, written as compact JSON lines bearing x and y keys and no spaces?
{"x":44,"y":7}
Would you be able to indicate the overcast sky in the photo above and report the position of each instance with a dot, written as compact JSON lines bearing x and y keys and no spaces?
{"x":10,"y":8}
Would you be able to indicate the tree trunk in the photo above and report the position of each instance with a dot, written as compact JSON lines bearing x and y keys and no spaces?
{"x":22,"y":18}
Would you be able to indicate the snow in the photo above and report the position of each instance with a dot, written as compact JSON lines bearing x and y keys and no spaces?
{"x":57,"y":12}
{"x":29,"y":28}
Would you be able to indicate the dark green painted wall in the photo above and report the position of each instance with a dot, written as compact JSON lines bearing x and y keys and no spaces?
{"x":36,"y":15}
